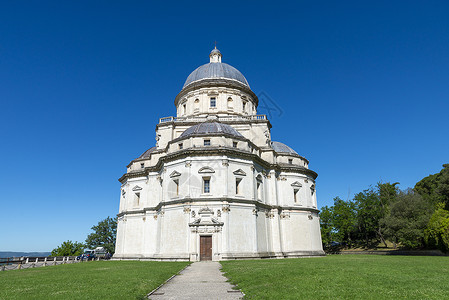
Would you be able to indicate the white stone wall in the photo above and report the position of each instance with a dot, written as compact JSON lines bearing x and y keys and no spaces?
{"x":249,"y":229}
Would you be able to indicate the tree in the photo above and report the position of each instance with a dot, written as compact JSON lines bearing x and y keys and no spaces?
{"x":436,"y":234}
{"x":104,"y":235}
{"x":408,"y":219}
{"x":326,"y":224}
{"x":369,"y":213}
{"x":435,"y":188}
{"x":68,"y":248}
{"x":343,"y":220}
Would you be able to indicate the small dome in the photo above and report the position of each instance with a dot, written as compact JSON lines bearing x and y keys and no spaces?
{"x":282,"y":148}
{"x":146,"y":154}
{"x":215,"y":69}
{"x":207,"y":128}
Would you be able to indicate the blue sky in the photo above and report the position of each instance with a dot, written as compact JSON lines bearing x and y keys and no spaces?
{"x":362,"y":91}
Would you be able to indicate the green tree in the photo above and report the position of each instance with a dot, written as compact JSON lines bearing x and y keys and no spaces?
{"x":436,"y":234}
{"x":387,"y":193}
{"x":104,"y":235}
{"x":408,"y":219}
{"x":435,"y":188}
{"x":326,"y":224}
{"x":369,"y":213}
{"x":68,"y":248}
{"x":344,"y":217}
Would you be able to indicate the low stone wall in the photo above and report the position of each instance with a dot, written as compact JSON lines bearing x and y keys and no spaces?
{"x":18,"y":263}
{"x":393,"y":252}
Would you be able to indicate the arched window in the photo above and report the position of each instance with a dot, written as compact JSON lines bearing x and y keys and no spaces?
{"x":196,"y":105}
{"x":230,"y":104}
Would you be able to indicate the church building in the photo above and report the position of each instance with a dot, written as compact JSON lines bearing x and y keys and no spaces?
{"x":216,"y":186}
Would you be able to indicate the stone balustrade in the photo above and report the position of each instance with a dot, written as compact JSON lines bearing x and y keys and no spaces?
{"x":220,"y":118}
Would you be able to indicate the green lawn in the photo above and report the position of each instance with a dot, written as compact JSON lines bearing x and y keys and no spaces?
{"x":342,"y":277}
{"x":89,"y":280}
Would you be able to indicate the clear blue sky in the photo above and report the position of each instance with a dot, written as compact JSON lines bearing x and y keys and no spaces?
{"x":362,"y":89}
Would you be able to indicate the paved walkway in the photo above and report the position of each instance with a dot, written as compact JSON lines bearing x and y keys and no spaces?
{"x":200,"y":280}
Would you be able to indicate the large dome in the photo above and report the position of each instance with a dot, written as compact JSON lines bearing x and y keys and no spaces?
{"x":215,"y":69}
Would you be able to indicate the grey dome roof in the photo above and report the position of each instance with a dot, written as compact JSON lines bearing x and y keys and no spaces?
{"x":215,"y":70}
{"x":206,"y":128}
{"x":146,"y":154}
{"x":282,"y":148}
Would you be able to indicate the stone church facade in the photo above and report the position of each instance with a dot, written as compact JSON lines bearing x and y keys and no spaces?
{"x":215,"y":186}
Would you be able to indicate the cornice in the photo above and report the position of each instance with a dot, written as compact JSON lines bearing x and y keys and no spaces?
{"x":224,"y":200}
{"x":208,"y":151}
{"x":191,"y":123}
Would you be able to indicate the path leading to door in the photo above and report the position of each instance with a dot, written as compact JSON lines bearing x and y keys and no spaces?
{"x":200,"y":280}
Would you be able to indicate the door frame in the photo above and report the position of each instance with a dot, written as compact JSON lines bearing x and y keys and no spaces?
{"x":211,"y":249}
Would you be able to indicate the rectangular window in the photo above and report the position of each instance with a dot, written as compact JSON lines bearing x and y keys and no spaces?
{"x":295,"y":195}
{"x":142,"y":165}
{"x":237,"y":185}
{"x":137,"y":199}
{"x":206,"y":142}
{"x":244,"y":106}
{"x":290,"y":161}
{"x":213,"y":102}
{"x":185,"y":108}
{"x":234,"y":144}
{"x":180,"y":146}
{"x":206,"y":185}
{"x":259,"y":190}
{"x":177,"y":187}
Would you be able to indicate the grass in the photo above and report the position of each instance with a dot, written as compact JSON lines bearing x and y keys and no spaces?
{"x":90,"y":280}
{"x":342,"y":277}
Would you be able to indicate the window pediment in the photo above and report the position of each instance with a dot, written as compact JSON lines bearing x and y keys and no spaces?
{"x":296,"y":184}
{"x":239,"y":172}
{"x":205,"y":170}
{"x":137,"y":188}
{"x":175,"y":174}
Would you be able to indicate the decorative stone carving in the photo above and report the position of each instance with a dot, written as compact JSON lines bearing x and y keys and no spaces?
{"x":155,"y":217}
{"x":226,"y":208}
{"x":312,"y":188}
{"x":225,"y":163}
{"x":268,"y":137}
{"x":205,"y":222}
{"x":188,"y":164}
{"x":269,"y":214}
{"x":193,"y":214}
{"x":255,"y":212}
{"x":284,"y":215}
{"x":186,"y":210}
{"x":158,"y":137}
{"x":144,"y":218}
{"x":137,"y":188}
{"x":218,"y":213}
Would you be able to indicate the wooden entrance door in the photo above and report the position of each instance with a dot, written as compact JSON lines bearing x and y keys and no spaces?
{"x":205,"y":248}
